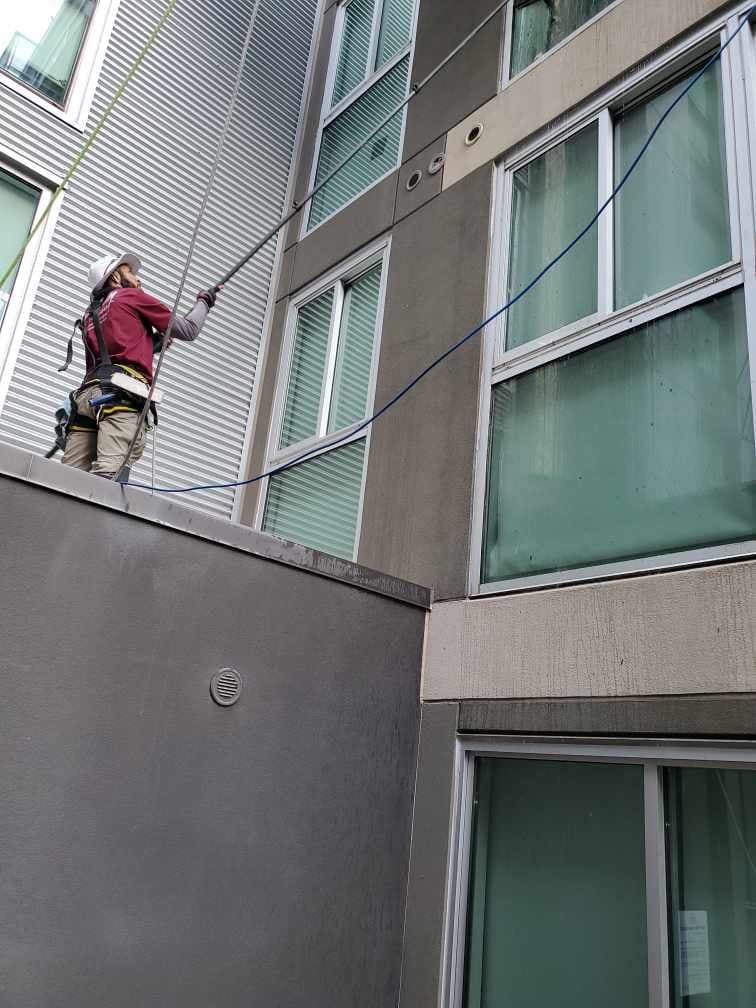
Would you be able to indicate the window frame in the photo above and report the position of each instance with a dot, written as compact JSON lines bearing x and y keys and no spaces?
{"x":32,"y":263}
{"x":738,"y":80}
{"x":85,"y":74}
{"x":328,"y":115}
{"x":336,"y":279}
{"x":653,"y":755}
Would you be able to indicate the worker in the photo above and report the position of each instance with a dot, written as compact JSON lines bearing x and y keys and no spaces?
{"x":122,"y":328}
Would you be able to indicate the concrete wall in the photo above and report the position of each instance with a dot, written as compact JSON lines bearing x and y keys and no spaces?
{"x":418,"y":497}
{"x":159,"y":849}
{"x":690,"y":631}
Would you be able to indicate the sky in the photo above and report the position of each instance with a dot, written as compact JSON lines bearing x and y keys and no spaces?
{"x":30,"y":17}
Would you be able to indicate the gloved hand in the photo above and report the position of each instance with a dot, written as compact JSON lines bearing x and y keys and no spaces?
{"x":209,"y":296}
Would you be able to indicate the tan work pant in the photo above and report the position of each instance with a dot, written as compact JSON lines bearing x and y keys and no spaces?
{"x":102,"y":451}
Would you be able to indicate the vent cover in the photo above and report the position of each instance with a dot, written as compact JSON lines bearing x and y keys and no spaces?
{"x":225,"y":687}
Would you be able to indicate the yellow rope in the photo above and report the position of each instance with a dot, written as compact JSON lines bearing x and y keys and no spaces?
{"x":92,"y":136}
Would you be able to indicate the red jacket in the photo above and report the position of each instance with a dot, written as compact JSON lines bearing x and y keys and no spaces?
{"x":127,"y":317}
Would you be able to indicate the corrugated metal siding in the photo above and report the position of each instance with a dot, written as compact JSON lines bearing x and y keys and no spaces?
{"x":140,"y":188}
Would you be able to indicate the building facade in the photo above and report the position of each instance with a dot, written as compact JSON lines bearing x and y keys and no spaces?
{"x":577,"y":484}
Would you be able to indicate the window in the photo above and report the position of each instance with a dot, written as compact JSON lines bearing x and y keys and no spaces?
{"x":597,"y":875}
{"x":557,"y":907}
{"x":369,"y":77}
{"x":18,"y":206}
{"x":539,"y":25}
{"x":40,"y":43}
{"x":621,"y":426}
{"x":328,"y":392}
{"x":711,"y":846}
{"x":22,"y":200}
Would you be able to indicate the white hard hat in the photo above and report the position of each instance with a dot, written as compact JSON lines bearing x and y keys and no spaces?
{"x":101,"y":268}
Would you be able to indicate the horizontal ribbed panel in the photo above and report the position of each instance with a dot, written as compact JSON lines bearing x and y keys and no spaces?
{"x":140,"y":187}
{"x":317,"y":502}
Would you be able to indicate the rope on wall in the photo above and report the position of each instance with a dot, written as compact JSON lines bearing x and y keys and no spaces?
{"x":193,"y":240}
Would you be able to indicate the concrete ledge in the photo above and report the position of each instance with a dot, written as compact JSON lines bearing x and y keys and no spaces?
{"x":160,"y":510}
{"x":732,"y":715}
{"x":683,"y":632}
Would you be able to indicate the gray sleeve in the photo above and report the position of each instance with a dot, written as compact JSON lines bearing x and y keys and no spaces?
{"x":188,"y":327}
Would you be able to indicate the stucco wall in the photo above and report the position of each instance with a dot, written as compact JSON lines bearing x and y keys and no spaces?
{"x":159,"y":849}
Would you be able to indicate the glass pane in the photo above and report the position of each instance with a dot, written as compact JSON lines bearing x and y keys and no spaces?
{"x":671,"y":219}
{"x":18,"y":204}
{"x":355,"y":352}
{"x":307,"y":367}
{"x":351,"y":68}
{"x":396,"y":29}
{"x":636,"y":446}
{"x":39,"y":42}
{"x":343,"y":135}
{"x":554,"y":197}
{"x":542,"y":24}
{"x":557,"y":904}
{"x":711,"y":817}
{"x":316,"y":503}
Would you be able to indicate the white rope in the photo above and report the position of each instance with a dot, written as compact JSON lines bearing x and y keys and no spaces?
{"x":193,"y":240}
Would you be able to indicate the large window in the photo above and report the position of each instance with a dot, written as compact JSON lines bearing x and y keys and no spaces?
{"x":369,"y":76}
{"x":328,"y":391}
{"x":40,"y":43}
{"x":621,"y":420}
{"x":18,"y":205}
{"x":539,"y":25}
{"x":21,"y":202}
{"x":590,"y":878}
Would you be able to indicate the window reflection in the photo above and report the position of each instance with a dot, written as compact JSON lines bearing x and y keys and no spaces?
{"x":40,"y":42}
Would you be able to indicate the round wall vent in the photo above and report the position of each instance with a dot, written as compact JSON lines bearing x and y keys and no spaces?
{"x":473,"y":134}
{"x":225,"y":687}
{"x":414,"y":180}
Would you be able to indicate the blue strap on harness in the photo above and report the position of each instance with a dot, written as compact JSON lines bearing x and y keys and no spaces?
{"x":108,"y":397}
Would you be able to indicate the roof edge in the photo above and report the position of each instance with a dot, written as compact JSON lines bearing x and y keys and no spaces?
{"x":25,"y":466}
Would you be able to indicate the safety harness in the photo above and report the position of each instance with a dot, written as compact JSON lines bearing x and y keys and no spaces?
{"x":122,"y":387}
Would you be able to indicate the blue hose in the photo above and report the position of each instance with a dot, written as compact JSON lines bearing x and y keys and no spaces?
{"x":473,"y":332}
